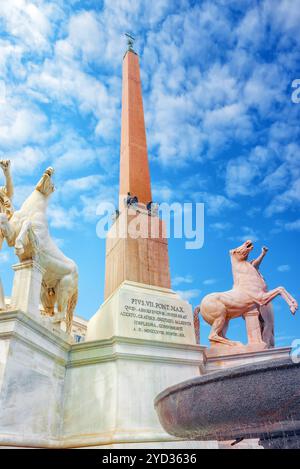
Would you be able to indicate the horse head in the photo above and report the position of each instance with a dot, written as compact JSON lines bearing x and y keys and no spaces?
{"x":45,"y":186}
{"x":242,"y":253}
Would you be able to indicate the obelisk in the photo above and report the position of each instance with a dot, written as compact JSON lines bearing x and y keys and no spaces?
{"x":134,"y":165}
{"x":139,"y":302}
{"x":143,"y":258}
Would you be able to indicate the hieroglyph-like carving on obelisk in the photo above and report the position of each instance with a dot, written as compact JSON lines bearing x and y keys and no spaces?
{"x":27,"y":230}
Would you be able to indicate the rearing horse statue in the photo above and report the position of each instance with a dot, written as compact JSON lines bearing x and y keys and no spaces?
{"x":249,"y":292}
{"x":27,"y":230}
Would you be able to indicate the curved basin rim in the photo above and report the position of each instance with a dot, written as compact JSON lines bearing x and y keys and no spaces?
{"x":244,"y":370}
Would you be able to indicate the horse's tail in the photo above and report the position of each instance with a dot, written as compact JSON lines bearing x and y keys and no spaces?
{"x":197,"y":324}
{"x":70,"y":310}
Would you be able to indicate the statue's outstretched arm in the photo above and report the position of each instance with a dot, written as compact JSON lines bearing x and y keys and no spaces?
{"x":256,"y":263}
{"x":9,"y":187}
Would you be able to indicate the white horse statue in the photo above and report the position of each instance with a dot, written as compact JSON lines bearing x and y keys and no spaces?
{"x":27,"y":230}
{"x":249,"y":293}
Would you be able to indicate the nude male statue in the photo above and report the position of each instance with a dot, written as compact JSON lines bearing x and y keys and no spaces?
{"x":7,"y":191}
{"x":6,"y":195}
{"x":266,"y":317}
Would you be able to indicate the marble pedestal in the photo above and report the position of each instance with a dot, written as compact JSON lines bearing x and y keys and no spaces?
{"x":146,"y":336}
{"x":100,"y":393}
{"x":145,"y":312}
{"x":27,"y":287}
{"x":54,"y":394}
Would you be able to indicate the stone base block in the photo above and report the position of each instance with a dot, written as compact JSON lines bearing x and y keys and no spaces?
{"x":93,"y":394}
{"x":143,"y":312}
{"x":219,"y":362}
{"x":27,"y":287}
{"x":225,"y":350}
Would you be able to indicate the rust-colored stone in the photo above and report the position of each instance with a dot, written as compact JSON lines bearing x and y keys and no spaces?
{"x":142,"y":259}
{"x":134,"y":166}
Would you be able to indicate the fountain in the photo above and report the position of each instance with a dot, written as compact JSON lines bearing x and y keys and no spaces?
{"x":261,"y":398}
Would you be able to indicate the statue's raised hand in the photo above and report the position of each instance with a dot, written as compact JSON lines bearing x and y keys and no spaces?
{"x":5,"y":165}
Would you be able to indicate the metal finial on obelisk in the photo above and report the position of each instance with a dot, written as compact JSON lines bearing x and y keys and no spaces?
{"x":130,"y":41}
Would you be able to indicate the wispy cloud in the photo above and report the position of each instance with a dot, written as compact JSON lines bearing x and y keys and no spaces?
{"x":293,"y":226}
{"x":210,"y":281}
{"x":284,"y":268}
{"x":179,"y":280}
{"x":189,"y":295}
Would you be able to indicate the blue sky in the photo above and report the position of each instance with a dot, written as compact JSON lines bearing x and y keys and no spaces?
{"x":221,"y":127}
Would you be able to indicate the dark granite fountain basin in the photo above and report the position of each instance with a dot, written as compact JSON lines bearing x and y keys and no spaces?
{"x":253,"y":401}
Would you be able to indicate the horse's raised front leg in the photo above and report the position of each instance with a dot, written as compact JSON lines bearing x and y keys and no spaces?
{"x":26,"y":241}
{"x":280,"y":291}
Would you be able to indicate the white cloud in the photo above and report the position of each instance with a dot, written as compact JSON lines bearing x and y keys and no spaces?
{"x":163,"y":193}
{"x":282,"y":202}
{"x":85,"y":40}
{"x":63,"y":218}
{"x":293,"y":226}
{"x":214,"y":203}
{"x":189,"y":295}
{"x":220,"y":226}
{"x":180,"y":280}
{"x":265,"y":88}
{"x":284,"y":268}
{"x":278,"y":179}
{"x":21,"y":124}
{"x":10,"y":57}
{"x":25,"y":161}
{"x":72,"y":152}
{"x":206,"y":87}
{"x":72,"y":187}
{"x":30,"y":22}
{"x":239,"y":177}
{"x":210,"y":281}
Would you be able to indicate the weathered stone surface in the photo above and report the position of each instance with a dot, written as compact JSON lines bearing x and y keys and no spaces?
{"x":140,"y":253}
{"x":217,"y":363}
{"x":58,"y":395}
{"x":142,"y":259}
{"x":141,"y":311}
{"x":26,"y":291}
{"x":251,"y":401}
{"x":134,"y":167}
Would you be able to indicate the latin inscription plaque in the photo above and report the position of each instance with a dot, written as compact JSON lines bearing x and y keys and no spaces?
{"x":157,"y":318}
